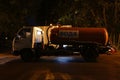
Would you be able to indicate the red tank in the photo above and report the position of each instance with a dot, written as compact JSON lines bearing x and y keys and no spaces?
{"x":76,"y":35}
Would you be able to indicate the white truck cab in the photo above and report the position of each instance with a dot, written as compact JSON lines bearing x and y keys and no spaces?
{"x":27,"y":37}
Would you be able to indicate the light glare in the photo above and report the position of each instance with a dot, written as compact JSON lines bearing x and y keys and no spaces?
{"x":63,"y":59}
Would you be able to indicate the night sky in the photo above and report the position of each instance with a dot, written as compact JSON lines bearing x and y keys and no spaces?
{"x":44,"y":12}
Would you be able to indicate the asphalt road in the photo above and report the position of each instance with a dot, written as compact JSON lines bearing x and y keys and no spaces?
{"x":60,"y":68}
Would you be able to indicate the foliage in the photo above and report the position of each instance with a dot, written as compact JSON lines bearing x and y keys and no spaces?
{"x":82,"y":13}
{"x":13,"y":14}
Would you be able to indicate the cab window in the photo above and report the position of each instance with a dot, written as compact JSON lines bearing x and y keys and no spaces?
{"x":24,"y":33}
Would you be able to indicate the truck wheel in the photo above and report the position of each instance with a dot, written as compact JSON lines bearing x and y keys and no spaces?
{"x":90,"y":54}
{"x":26,"y":55}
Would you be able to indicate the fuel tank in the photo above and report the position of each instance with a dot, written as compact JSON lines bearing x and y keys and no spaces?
{"x":76,"y":35}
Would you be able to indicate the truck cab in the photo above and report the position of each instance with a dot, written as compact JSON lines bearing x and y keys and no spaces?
{"x":27,"y":38}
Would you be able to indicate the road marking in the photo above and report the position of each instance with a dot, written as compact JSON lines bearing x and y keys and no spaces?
{"x":117,"y":62}
{"x":4,"y":60}
{"x":66,"y":76}
{"x":35,"y":76}
{"x":49,"y":76}
{"x":44,"y":74}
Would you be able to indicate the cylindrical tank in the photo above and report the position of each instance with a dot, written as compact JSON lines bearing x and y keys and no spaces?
{"x":76,"y":35}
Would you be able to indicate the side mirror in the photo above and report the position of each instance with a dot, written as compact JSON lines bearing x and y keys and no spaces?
{"x":17,"y":36}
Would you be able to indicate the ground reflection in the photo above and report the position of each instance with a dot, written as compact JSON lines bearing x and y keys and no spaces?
{"x":63,"y":59}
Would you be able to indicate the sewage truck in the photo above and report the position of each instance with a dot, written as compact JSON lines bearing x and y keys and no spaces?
{"x":33,"y":42}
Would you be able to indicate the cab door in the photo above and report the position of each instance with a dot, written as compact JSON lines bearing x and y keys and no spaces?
{"x":23,"y":39}
{"x":37,"y":39}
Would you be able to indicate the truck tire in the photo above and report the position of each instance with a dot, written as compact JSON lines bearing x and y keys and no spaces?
{"x":26,"y":55}
{"x":90,"y":54}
